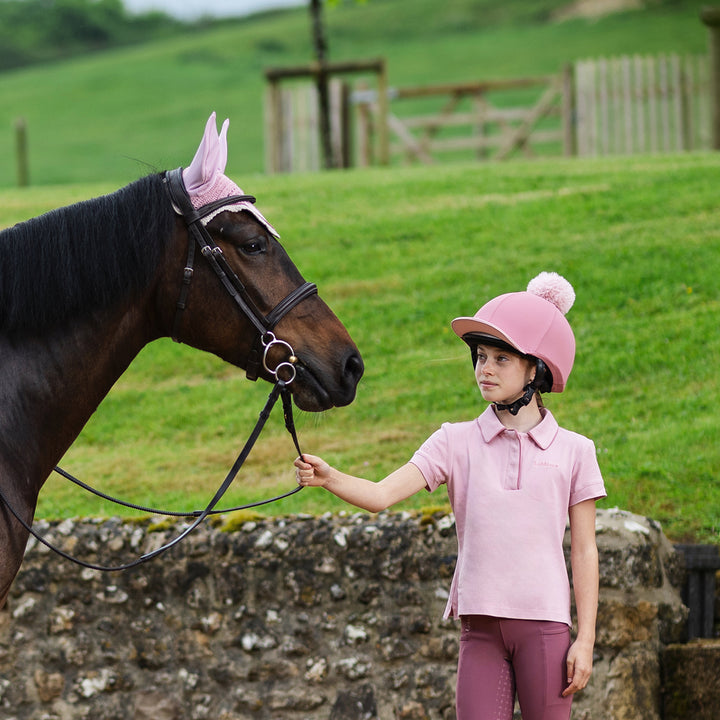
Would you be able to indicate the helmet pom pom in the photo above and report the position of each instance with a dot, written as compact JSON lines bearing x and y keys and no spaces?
{"x":554,"y":288}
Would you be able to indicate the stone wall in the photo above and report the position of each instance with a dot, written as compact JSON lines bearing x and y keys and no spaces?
{"x":333,"y":617}
{"x":691,"y":674}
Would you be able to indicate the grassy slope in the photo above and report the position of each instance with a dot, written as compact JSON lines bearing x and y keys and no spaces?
{"x":109,"y":116}
{"x":398,"y":254}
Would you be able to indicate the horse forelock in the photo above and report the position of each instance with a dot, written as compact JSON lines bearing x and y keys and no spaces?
{"x":85,"y":257}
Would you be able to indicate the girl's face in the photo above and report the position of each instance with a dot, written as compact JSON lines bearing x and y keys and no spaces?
{"x":502,"y":375}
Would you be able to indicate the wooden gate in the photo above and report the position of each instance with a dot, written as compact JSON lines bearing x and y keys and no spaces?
{"x":490,"y":120}
{"x":642,"y":104}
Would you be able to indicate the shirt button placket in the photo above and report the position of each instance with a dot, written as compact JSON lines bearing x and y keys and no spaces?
{"x":512,"y":473}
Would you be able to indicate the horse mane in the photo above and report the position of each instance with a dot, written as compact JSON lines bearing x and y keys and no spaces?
{"x":85,"y":257}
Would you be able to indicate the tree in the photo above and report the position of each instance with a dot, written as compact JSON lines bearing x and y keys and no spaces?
{"x":320,"y":46}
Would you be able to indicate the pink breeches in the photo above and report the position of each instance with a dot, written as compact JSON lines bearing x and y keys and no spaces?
{"x":499,"y":657}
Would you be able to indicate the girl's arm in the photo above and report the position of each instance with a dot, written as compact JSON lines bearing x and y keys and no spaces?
{"x":584,"y":561}
{"x":365,"y":494}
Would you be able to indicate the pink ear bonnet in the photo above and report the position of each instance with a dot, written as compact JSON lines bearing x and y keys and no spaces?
{"x":533,"y":322}
{"x":205,"y":180}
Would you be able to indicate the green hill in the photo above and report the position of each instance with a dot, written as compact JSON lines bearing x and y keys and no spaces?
{"x":399,"y":253}
{"x":110,"y":116}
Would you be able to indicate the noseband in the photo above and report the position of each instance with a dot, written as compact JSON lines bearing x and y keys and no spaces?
{"x":264,"y":324}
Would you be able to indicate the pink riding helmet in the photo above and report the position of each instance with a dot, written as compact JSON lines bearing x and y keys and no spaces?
{"x":533,"y":322}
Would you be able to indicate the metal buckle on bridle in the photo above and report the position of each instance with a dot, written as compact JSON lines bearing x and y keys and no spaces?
{"x":269,"y":340}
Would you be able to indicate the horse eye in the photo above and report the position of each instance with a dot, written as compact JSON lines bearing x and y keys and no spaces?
{"x":254,"y":247}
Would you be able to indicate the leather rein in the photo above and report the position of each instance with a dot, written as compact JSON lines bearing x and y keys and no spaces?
{"x":264,"y":341}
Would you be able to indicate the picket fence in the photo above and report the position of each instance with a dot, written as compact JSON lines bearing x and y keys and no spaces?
{"x":642,"y":104}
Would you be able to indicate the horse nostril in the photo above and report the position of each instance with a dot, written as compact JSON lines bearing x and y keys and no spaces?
{"x":354,"y":367}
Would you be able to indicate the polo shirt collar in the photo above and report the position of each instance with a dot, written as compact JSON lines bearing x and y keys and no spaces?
{"x":542,"y":434}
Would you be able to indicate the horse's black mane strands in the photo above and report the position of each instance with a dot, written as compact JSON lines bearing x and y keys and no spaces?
{"x":85,"y":257}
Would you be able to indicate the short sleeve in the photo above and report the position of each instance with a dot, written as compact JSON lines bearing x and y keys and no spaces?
{"x":431,"y":459}
{"x":587,"y":481}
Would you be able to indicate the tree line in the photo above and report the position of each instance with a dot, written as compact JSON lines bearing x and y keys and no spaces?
{"x":37,"y":31}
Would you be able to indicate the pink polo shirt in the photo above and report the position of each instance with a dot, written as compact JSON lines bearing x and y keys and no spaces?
{"x":510,"y":493}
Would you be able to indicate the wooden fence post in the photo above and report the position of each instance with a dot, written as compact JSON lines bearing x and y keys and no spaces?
{"x":383,"y":112}
{"x":273,"y":128}
{"x":21,"y":146}
{"x":711,"y":17}
{"x":569,"y":118}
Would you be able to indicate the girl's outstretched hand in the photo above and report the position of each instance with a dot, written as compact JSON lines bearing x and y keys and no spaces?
{"x":311,"y":471}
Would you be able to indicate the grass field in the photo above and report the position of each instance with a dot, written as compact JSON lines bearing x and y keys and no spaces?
{"x":398,"y":253}
{"x":110,"y":116}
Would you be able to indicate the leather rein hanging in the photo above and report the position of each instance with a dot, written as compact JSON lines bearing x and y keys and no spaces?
{"x":265,"y":339}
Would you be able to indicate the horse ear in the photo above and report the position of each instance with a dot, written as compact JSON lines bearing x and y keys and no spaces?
{"x":210,"y":159}
{"x":222,"y":147}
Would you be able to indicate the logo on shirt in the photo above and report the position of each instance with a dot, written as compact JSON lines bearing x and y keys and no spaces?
{"x":545,"y":463}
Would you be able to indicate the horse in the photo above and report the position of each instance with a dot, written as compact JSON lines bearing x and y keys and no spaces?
{"x":85,"y":287}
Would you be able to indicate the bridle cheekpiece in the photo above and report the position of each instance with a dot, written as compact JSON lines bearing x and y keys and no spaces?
{"x":264,"y":324}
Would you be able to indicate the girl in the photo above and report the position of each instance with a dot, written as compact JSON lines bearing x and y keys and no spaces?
{"x":513,"y":476}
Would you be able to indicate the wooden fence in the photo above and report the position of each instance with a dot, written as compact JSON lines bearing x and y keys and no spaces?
{"x":480,"y":119}
{"x":595,"y":107}
{"x":642,"y":105}
{"x":294,"y":143}
{"x":292,"y":115}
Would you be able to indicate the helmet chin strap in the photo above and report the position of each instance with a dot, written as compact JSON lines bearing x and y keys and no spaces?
{"x":521,"y":402}
{"x":542,"y":382}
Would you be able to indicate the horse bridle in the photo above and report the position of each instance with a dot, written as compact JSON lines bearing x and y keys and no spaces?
{"x":264,"y":341}
{"x":264,"y":324}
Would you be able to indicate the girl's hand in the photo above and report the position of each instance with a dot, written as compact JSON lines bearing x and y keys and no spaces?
{"x":311,"y":471}
{"x":579,"y":667}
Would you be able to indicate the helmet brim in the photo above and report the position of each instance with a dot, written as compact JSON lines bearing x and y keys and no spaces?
{"x":468,"y":326}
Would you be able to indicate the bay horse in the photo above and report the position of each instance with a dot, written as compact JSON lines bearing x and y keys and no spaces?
{"x":85,"y":287}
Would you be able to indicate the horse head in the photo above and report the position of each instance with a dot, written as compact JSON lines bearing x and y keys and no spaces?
{"x":244,"y":300}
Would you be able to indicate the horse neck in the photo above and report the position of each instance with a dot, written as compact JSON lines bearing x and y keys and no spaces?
{"x":50,"y":385}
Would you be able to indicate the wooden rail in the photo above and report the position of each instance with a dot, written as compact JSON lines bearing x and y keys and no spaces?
{"x":602,"y":106}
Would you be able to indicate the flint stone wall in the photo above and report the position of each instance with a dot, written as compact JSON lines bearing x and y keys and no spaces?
{"x":333,"y":617}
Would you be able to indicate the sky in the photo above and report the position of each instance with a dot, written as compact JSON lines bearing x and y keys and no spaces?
{"x":191,"y":9}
